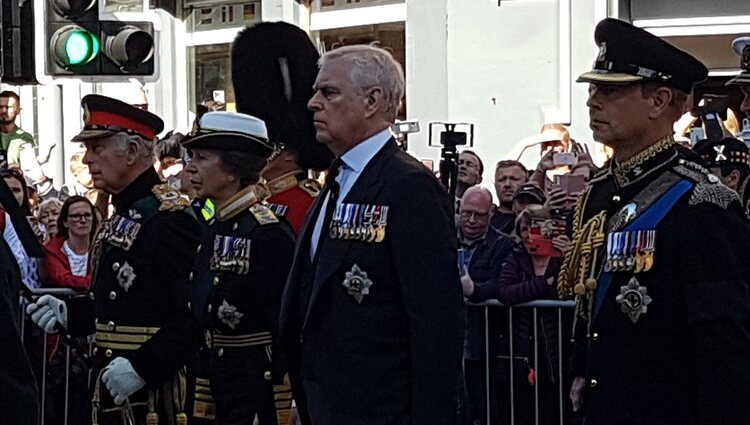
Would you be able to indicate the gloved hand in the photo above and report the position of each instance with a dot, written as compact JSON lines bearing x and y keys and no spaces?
{"x":121,"y":379}
{"x":47,"y":312}
{"x":576,"y":392}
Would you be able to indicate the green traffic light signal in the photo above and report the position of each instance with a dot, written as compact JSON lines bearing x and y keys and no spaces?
{"x":81,"y":47}
{"x":74,"y":46}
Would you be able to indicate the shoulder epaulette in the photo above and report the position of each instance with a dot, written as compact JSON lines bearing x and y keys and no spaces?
{"x":170,"y":199}
{"x":241,"y":201}
{"x":278,"y":209}
{"x":708,"y":187}
{"x":263,"y":214}
{"x":311,"y":187}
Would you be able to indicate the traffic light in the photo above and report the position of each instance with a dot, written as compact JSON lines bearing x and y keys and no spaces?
{"x":17,"y":32}
{"x":78,"y":44}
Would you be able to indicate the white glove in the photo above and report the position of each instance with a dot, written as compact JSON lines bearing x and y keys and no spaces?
{"x":576,"y":392}
{"x":121,"y":379}
{"x":47,"y":312}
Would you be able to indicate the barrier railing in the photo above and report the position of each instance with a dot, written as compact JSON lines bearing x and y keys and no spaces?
{"x":32,"y":335}
{"x":561,"y":310}
{"x":512,"y":394}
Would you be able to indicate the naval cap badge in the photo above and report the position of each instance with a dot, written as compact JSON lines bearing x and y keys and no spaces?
{"x":357,"y":283}
{"x":633,"y":299}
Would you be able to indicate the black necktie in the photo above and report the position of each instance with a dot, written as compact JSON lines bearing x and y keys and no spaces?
{"x":333,"y":188}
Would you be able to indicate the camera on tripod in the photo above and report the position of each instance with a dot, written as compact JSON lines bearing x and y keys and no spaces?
{"x":449,"y":140}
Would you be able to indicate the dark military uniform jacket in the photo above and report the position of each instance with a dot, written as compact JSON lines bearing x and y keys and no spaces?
{"x":376,"y":323}
{"x":18,"y":404}
{"x":292,"y":195}
{"x":141,"y":259}
{"x":668,"y":344}
{"x":236,"y":284}
{"x":745,"y":196}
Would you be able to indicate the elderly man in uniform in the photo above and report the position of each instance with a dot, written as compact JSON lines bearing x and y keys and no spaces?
{"x":657,"y":261}
{"x":274,"y":65}
{"x":141,"y":259}
{"x":372,"y":316}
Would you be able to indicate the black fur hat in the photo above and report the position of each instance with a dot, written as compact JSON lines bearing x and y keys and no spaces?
{"x":274,"y":66}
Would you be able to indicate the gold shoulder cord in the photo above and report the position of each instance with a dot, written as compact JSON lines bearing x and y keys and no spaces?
{"x":578,"y":271}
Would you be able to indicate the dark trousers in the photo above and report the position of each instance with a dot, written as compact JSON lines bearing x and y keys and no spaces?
{"x":240,"y":389}
{"x":476,"y":388}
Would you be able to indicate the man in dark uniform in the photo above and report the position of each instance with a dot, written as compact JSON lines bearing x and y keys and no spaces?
{"x":372,"y":316}
{"x":141,"y":259}
{"x":274,"y":65}
{"x":238,"y":277}
{"x":18,"y":405}
{"x":657,"y":261}
{"x":741,"y":46}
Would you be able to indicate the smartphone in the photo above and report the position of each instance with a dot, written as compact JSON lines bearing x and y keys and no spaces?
{"x":570,"y":183}
{"x":564,"y":158}
{"x":541,"y":233}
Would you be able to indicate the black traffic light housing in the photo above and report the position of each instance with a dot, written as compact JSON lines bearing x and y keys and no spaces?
{"x":128,"y":47}
{"x":80,"y":45}
{"x":17,"y":31}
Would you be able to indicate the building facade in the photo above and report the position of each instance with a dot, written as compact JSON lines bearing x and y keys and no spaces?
{"x":506,"y":66}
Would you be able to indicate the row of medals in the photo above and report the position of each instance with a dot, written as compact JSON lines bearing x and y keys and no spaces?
{"x":359,"y":222}
{"x":630,"y":251}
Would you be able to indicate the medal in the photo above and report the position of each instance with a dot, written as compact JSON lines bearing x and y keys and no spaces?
{"x":228,"y":314}
{"x":639,"y":263}
{"x":359,"y":222}
{"x":610,"y":253}
{"x":231,"y":254}
{"x":125,"y":276}
{"x":379,"y":234}
{"x":630,"y":240}
{"x":357,"y":283}
{"x":649,"y":250}
{"x":633,"y":299}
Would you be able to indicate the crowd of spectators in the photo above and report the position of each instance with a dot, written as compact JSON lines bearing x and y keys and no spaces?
{"x":511,"y":252}
{"x":495,"y":262}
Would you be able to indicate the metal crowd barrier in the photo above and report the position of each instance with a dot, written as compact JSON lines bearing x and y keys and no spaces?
{"x":41,"y":366}
{"x":534,"y":307}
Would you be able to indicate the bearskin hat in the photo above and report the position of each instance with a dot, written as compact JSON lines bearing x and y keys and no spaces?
{"x":274,"y":66}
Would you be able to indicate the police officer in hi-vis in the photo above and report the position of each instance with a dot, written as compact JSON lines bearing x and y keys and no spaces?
{"x":141,"y":258}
